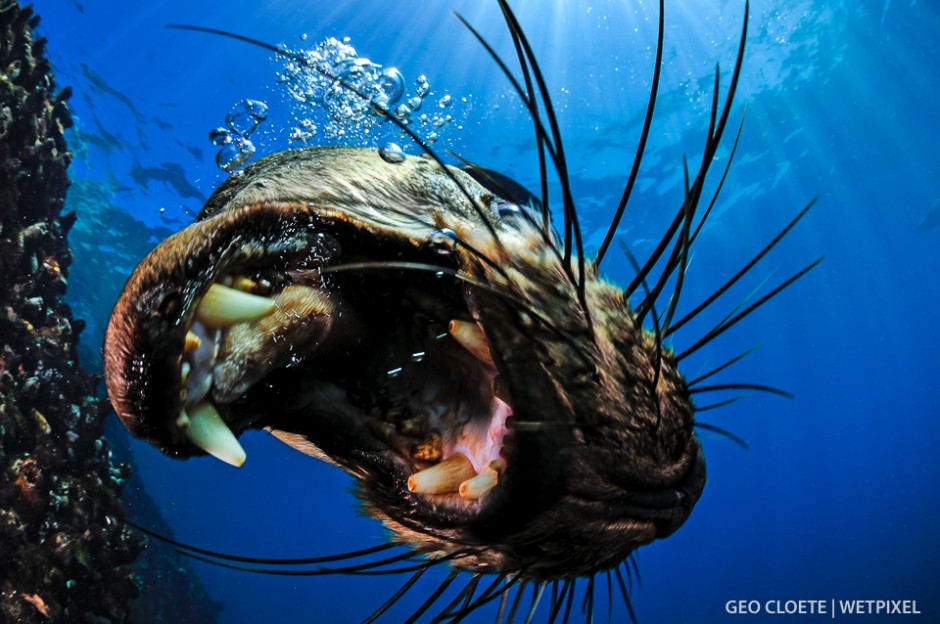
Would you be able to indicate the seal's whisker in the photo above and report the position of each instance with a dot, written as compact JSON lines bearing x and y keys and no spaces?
{"x":263,"y":560}
{"x":719,"y":404}
{"x":724,"y":433}
{"x":657,"y":334}
{"x":720,"y":368}
{"x":725,"y":325}
{"x":742,"y":386}
{"x":644,"y":135}
{"x":572,"y":227}
{"x":724,"y":176}
{"x":570,"y":601}
{"x":435,"y":595}
{"x":587,"y":605}
{"x":610,"y":598}
{"x":537,"y":594}
{"x":528,"y":98}
{"x":395,"y":597}
{"x":516,"y":601}
{"x":465,"y":595}
{"x":693,"y":192}
{"x":626,"y":593}
{"x":493,"y":591}
{"x":744,"y":270}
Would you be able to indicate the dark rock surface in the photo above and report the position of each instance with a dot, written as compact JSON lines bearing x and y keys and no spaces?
{"x":66,"y":554}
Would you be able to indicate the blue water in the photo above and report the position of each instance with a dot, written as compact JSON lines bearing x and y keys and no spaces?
{"x":837,"y":496}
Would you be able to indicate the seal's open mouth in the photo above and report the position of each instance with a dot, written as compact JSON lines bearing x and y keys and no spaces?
{"x":391,"y":353}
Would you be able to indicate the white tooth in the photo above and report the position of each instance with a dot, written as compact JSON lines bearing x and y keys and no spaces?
{"x":471,"y":337}
{"x":442,"y":478}
{"x":185,"y":369}
{"x":192,"y":342}
{"x":223,"y":306}
{"x":209,"y":432}
{"x":479,"y":485}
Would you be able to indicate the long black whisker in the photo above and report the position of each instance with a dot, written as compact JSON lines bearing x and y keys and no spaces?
{"x":694,"y":193}
{"x":527,"y":96}
{"x":635,"y":567}
{"x":719,"y":404}
{"x":633,"y":560}
{"x":588,"y":603}
{"x":724,"y":326}
{"x":465,"y":594}
{"x":742,"y":386}
{"x":503,"y":603}
{"x":724,"y":176}
{"x":641,"y":147}
{"x":395,"y":597}
{"x":656,"y":332}
{"x":314,"y":572}
{"x":488,"y":595}
{"x":717,"y":370}
{"x":626,"y":595}
{"x":723,"y":432}
{"x":744,"y":270}
{"x":571,"y":216}
{"x":558,"y":600}
{"x":541,"y":138}
{"x":264,"y":560}
{"x":570,"y":601}
{"x":536,"y":598}
{"x":516,"y":602}
{"x":435,"y":595}
{"x":610,"y":599}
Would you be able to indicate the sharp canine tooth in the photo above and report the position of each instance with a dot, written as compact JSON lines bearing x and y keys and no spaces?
{"x":479,"y":485}
{"x":244,"y":284}
{"x":209,"y":432}
{"x":223,"y":306}
{"x":444,"y":478}
{"x":192,"y":342}
{"x":471,"y":337}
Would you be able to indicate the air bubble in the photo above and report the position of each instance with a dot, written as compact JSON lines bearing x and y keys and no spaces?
{"x":445,"y":101}
{"x":220,"y":136}
{"x":234,"y":155}
{"x":444,"y":240}
{"x":415,"y":103}
{"x":392,"y":153}
{"x":244,"y":116}
{"x":423,"y":87}
{"x":403,"y":111}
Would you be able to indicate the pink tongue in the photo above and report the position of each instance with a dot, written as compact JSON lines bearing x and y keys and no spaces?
{"x":483,"y":446}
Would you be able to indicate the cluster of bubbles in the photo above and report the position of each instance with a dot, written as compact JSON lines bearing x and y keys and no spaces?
{"x":356,"y":94}
{"x":233,"y":138}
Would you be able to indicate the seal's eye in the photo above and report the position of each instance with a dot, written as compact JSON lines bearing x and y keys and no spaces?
{"x":508,"y":211}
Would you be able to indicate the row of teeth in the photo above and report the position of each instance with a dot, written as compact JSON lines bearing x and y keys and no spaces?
{"x":456,"y":475}
{"x":201,"y":423}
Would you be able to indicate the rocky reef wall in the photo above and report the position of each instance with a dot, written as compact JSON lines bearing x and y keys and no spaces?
{"x":65,"y":551}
